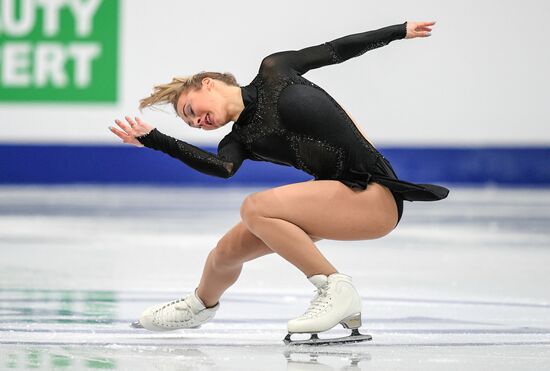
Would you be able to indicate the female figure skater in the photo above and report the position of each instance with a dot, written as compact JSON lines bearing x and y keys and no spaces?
{"x":283,"y":118}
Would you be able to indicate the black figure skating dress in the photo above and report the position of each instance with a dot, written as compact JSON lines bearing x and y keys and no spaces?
{"x":290,"y":121}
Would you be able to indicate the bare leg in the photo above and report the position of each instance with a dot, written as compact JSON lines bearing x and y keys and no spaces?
{"x":283,"y":218}
{"x":225,"y":262}
{"x":288,"y":220}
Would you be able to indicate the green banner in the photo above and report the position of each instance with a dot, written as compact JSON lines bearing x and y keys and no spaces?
{"x":58,"y":50}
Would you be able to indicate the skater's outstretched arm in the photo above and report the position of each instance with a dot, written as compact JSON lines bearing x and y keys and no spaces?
{"x":342,"y":49}
{"x":224,"y":165}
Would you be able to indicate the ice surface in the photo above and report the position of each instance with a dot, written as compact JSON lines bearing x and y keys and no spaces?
{"x":461,"y":284}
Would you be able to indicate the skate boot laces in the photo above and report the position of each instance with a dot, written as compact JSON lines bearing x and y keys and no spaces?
{"x":319,"y":303}
{"x":175,"y":311}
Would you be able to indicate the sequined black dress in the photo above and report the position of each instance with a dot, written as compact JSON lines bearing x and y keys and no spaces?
{"x":290,"y":121}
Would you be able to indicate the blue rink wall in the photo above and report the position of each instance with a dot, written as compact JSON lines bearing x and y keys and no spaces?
{"x":62,"y":164}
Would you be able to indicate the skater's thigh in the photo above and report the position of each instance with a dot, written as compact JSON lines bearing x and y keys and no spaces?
{"x":241,"y":244}
{"x":327,"y":209}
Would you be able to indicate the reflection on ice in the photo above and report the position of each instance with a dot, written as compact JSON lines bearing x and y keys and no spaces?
{"x":459,"y":285}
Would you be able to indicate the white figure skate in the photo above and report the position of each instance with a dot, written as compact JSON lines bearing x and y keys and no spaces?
{"x":178,"y":314}
{"x":336,"y":301}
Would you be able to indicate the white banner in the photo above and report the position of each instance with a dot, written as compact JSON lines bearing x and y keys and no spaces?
{"x":482,"y":78}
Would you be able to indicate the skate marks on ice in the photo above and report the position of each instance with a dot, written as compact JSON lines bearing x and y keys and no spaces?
{"x":80,"y":330}
{"x":157,"y":358}
{"x":67,"y":317}
{"x":483,"y":316}
{"x":265,"y":358}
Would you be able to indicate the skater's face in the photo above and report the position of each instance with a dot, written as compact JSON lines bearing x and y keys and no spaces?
{"x":203,"y":108}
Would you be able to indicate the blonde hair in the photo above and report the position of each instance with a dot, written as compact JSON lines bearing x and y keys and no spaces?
{"x":170,"y":92}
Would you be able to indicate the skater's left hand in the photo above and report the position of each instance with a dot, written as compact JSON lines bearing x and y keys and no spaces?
{"x":130,"y":131}
{"x":418,"y":29}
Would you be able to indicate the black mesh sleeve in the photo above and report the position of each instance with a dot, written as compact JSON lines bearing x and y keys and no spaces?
{"x":224,"y":165}
{"x":357,"y":44}
{"x":335,"y":51}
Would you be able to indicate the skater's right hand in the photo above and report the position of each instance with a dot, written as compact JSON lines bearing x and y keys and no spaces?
{"x":419,"y":29}
{"x":131,"y":130}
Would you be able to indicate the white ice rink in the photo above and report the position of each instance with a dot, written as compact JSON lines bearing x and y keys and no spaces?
{"x":461,"y":284}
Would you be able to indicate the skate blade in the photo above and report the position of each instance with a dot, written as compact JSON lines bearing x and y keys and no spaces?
{"x":136,"y":324}
{"x":355,"y":337}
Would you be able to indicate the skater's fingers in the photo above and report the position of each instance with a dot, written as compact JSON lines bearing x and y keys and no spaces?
{"x":424,"y":24}
{"x":118,"y":133}
{"x":130,"y":121}
{"x":126,"y":138}
{"x":125,"y":127}
{"x":142,"y":127}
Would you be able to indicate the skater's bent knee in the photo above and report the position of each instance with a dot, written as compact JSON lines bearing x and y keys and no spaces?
{"x":251,"y":208}
{"x":248,"y":207}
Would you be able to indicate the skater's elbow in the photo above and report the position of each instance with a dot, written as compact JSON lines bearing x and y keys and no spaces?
{"x":229,"y":169}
